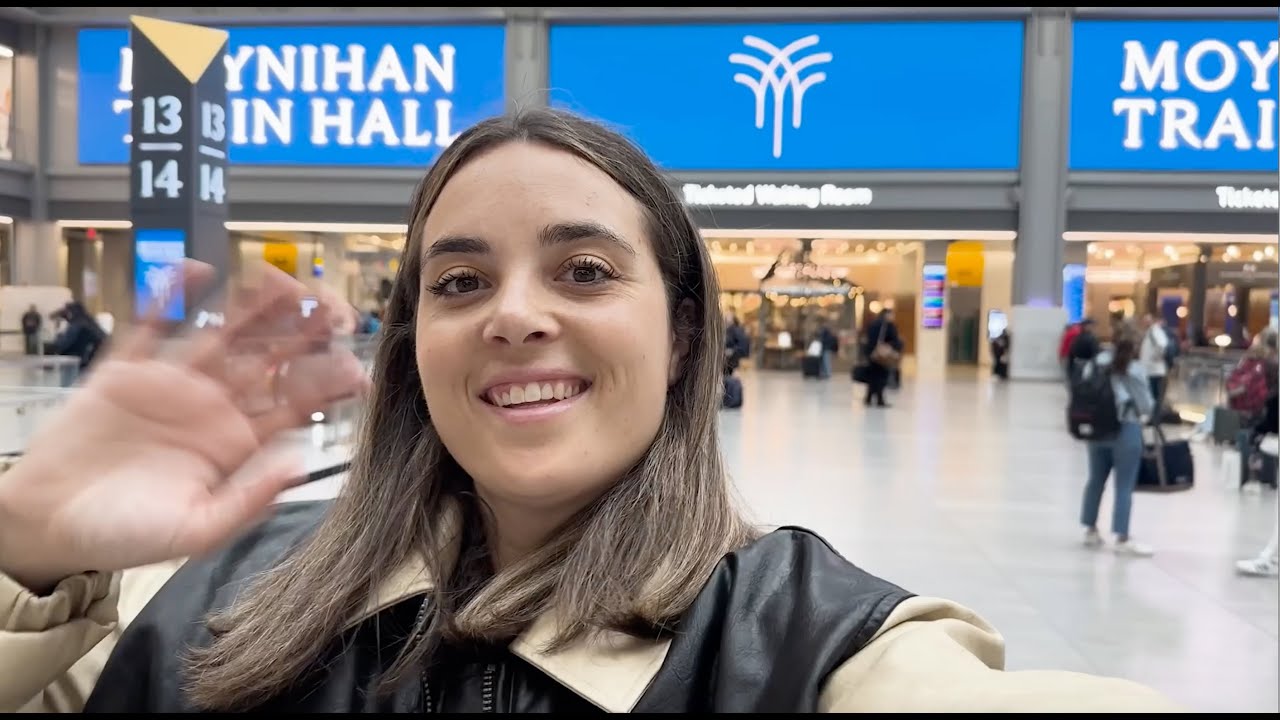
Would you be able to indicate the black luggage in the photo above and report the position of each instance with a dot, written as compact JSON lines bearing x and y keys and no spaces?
{"x":732,"y":392}
{"x":1167,"y":465}
{"x":1260,"y":467}
{"x":811,"y":366}
{"x":1226,"y":425}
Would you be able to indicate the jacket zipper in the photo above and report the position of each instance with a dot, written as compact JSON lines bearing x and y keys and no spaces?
{"x":421,"y":623}
{"x":488,"y":694}
{"x":488,"y":685}
{"x":487,"y":688}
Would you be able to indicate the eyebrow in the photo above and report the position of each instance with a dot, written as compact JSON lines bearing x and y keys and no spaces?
{"x":561,"y":233}
{"x":549,"y":236}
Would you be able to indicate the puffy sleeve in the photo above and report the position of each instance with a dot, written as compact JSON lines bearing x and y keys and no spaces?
{"x":53,"y":647}
{"x":933,"y":655}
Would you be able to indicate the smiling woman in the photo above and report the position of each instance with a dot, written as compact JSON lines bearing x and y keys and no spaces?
{"x":537,"y":518}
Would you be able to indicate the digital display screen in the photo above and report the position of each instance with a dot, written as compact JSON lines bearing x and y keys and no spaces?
{"x":934,"y":295}
{"x":1073,"y":282}
{"x":157,"y":268}
{"x":997,"y":322}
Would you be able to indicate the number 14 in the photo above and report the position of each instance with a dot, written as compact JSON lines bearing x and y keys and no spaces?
{"x":166,"y":179}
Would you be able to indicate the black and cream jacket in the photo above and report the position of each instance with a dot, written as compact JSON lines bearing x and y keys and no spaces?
{"x":783,"y":625}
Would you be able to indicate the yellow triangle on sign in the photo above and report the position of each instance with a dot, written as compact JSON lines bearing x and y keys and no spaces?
{"x":189,"y":47}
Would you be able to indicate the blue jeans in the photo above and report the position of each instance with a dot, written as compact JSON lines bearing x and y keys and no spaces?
{"x":1124,"y":455}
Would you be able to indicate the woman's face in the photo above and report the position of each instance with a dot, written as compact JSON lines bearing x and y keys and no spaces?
{"x":544,"y":339}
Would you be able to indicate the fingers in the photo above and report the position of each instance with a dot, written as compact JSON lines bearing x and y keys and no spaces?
{"x":311,"y":383}
{"x":256,"y":314}
{"x":144,"y":339}
{"x":236,"y":504}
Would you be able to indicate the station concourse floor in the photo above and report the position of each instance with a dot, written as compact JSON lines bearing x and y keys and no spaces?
{"x":969,"y":489}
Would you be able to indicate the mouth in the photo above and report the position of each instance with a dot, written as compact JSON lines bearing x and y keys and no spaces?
{"x":535,"y":394}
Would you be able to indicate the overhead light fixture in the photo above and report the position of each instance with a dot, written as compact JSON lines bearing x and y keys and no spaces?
{"x":1172,"y":238}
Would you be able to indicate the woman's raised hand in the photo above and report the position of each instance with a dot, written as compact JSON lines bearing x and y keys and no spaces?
{"x":166,"y":450}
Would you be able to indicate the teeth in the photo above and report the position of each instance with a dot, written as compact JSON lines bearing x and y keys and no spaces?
{"x":535,"y":392}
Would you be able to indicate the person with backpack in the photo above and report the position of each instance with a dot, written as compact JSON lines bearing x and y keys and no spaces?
{"x":1267,"y":562}
{"x":1248,"y":387}
{"x":1110,"y":400}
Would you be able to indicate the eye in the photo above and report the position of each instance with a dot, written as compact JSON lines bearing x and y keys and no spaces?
{"x":587,"y":270}
{"x":457,"y":282}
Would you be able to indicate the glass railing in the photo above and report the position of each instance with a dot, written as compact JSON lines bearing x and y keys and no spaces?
{"x":1198,"y":382}
{"x":33,"y":386}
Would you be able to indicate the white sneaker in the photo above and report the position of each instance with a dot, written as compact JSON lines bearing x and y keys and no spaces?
{"x":1258,"y":567}
{"x":1133,"y":549}
{"x":1092,"y":539}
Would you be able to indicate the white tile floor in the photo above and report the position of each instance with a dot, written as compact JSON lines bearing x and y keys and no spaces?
{"x":970,"y":490}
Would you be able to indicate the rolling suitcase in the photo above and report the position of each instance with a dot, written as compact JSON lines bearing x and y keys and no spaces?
{"x":810,"y":366}
{"x":1226,"y":423}
{"x":1167,"y":465}
{"x":732,"y":392}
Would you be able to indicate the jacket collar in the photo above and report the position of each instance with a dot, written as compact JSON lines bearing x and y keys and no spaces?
{"x":609,"y":669}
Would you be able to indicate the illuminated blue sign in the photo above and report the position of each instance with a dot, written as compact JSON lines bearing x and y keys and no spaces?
{"x":908,"y":95}
{"x":332,"y":95}
{"x":157,"y":269}
{"x":1073,"y":282}
{"x":1195,"y":95}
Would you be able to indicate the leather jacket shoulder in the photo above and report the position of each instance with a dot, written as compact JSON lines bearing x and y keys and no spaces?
{"x":773,"y":622}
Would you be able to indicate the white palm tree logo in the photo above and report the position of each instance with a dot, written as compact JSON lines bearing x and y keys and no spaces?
{"x":779,"y":58}
{"x":160,"y":280}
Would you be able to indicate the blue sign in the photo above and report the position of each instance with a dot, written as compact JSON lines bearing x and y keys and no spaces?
{"x":1073,"y":283}
{"x":157,"y":273}
{"x":332,"y":95}
{"x":1193,"y":95}
{"x":787,"y":96}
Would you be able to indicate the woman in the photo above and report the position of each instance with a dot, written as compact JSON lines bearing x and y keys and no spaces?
{"x":1248,"y":388}
{"x":537,"y":518}
{"x":1123,"y":453}
{"x":881,"y":332}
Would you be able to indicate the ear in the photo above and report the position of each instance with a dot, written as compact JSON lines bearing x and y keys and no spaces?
{"x":683,"y":325}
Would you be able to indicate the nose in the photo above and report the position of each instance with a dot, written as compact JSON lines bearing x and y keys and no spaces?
{"x":521,"y":315}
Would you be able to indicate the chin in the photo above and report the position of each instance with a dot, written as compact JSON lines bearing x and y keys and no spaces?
{"x":534,"y":485}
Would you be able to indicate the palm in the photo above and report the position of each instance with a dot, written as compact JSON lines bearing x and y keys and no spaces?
{"x":157,"y":458}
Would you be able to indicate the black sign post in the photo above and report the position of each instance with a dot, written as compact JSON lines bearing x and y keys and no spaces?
{"x":177,"y":160}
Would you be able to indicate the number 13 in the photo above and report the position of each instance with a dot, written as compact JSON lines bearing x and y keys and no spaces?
{"x":170,"y":108}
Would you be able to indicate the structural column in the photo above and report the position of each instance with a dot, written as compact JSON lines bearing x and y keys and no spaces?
{"x":1199,"y":291}
{"x":931,"y":342}
{"x":526,"y":61}
{"x":35,"y":241}
{"x":1038,"y":316}
{"x":177,"y":160}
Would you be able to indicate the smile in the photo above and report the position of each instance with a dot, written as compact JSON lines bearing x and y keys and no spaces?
{"x":535,"y":393}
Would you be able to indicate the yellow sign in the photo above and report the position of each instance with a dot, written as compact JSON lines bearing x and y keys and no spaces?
{"x":965,"y":264}
{"x":284,"y":255}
